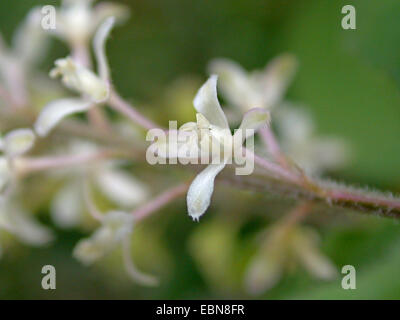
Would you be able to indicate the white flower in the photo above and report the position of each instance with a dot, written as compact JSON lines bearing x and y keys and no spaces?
{"x":117,"y":185}
{"x":80,"y":79}
{"x":116,"y":225}
{"x":211,"y":129}
{"x":284,"y":247}
{"x":115,"y":230}
{"x":262,"y":89}
{"x":94,"y":88}
{"x":77,"y":20}
{"x":22,"y":225}
{"x":315,"y":154}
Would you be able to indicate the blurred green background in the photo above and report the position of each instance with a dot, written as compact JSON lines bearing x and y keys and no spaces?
{"x":349,"y":79}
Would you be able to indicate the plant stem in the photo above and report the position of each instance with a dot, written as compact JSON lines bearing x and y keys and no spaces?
{"x":122,"y":106}
{"x":160,"y":201}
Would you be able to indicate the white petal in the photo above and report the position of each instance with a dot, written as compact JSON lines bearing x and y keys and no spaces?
{"x":263,"y":273}
{"x":55,"y":111}
{"x":305,"y":246}
{"x":234,"y":82}
{"x":276,"y":77}
{"x":200,"y":191}
{"x":29,"y":41}
{"x":18,"y":142}
{"x":5,"y":173}
{"x":121,"y":187}
{"x":99,"y":44}
{"x":206,"y":102}
{"x":24,"y":226}
{"x":66,"y":207}
{"x":252,"y":121}
{"x":107,"y":9}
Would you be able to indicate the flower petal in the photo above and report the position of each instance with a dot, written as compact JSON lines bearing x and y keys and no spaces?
{"x":29,"y":41}
{"x":121,"y":187}
{"x":200,"y":191}
{"x":263,"y":273}
{"x":66,"y":207}
{"x":107,"y":9}
{"x":24,"y":226}
{"x":233,"y":82}
{"x":57,"y":110}
{"x":18,"y":142}
{"x":99,"y":44}
{"x":252,"y":121}
{"x":5,"y":173}
{"x":206,"y":102}
{"x":276,"y":77}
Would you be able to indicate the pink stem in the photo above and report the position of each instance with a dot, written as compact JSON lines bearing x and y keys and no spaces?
{"x":34,"y":164}
{"x":120,"y":105}
{"x":353,"y":197}
{"x":160,"y":201}
{"x":274,"y":168}
{"x":272,"y":144}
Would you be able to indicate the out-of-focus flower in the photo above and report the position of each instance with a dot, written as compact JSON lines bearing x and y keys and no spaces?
{"x":28,"y":46}
{"x":117,"y":185}
{"x":283,"y":248}
{"x":12,"y":145}
{"x":210,"y":132}
{"x":116,"y":225}
{"x":315,"y":154}
{"x":261,"y":89}
{"x":116,"y":228}
{"x":93,"y":88}
{"x":77,"y":20}
{"x":22,"y":225}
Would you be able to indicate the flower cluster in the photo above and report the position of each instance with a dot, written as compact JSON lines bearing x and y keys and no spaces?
{"x":94,"y":153}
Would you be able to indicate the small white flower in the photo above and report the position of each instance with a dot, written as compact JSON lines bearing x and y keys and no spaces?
{"x":211,"y":128}
{"x":80,"y":79}
{"x":315,"y":154}
{"x":284,"y":247}
{"x":262,"y":89}
{"x":94,"y":88}
{"x":116,"y":225}
{"x":77,"y":20}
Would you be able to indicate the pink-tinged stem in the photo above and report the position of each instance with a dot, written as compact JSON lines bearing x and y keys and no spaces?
{"x":122,"y":106}
{"x":272,"y":145}
{"x":367,"y":200}
{"x":298,"y":213}
{"x":34,"y":164}
{"x":160,"y":201}
{"x":275,"y":169}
